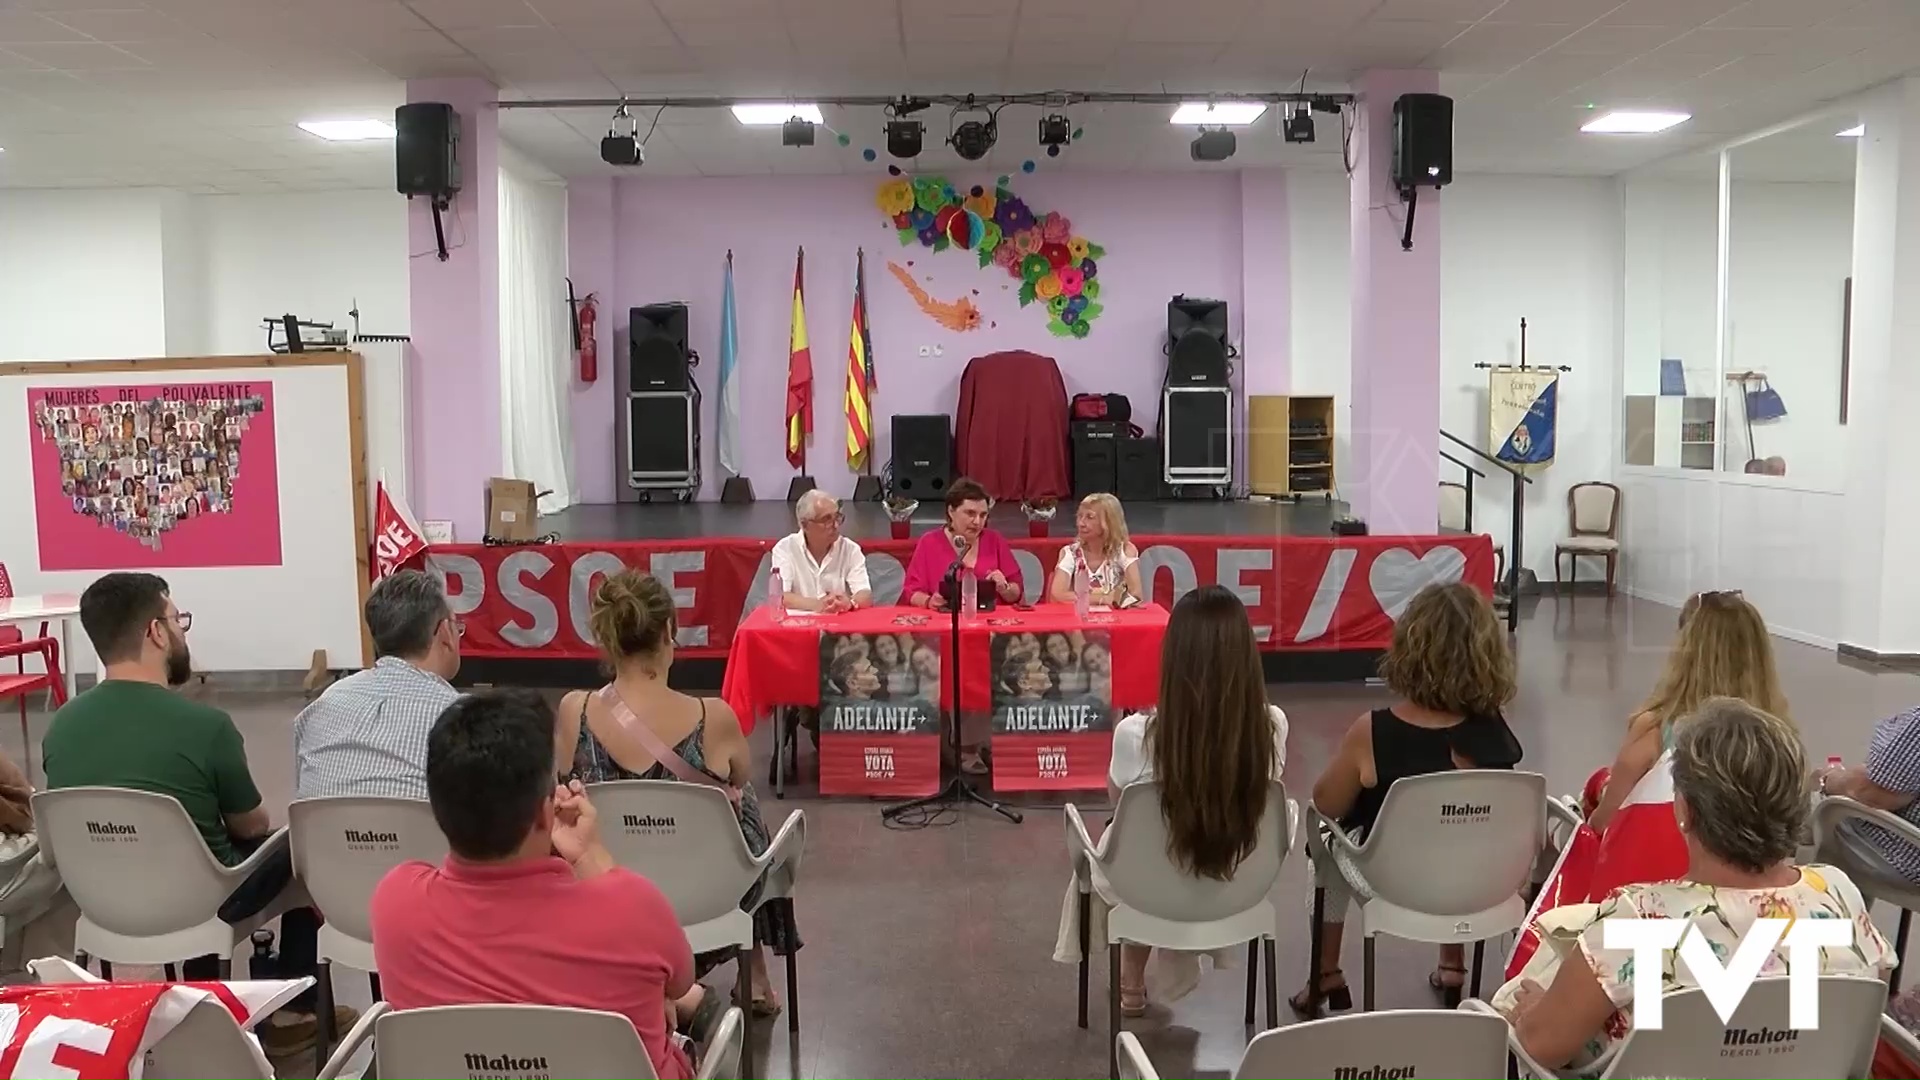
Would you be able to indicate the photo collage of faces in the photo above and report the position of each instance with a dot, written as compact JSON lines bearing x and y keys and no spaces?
{"x":1058,"y":666}
{"x":141,"y":467}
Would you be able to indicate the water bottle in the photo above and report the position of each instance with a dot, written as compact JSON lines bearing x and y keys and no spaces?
{"x":1082,"y":593}
{"x":969,"y":592}
{"x":776,"y":597}
{"x":263,"y":964}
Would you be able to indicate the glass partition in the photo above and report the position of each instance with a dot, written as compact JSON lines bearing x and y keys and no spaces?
{"x":1672,"y":384}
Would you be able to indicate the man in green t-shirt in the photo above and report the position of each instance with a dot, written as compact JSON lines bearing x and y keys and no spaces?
{"x":131,"y":730}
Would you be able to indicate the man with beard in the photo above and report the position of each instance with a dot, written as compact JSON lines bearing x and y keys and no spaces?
{"x":132,"y":730}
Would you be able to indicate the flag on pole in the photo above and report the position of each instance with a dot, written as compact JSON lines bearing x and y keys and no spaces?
{"x":799,"y":372}
{"x":859,"y":405}
{"x":729,"y":387}
{"x":396,"y":539}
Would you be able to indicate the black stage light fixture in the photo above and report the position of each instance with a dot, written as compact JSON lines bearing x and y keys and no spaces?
{"x":796,"y":132}
{"x":1056,"y":131}
{"x":1298,"y":127}
{"x":1216,"y":145}
{"x":622,"y":146}
{"x":904,"y":137}
{"x":973,"y":139}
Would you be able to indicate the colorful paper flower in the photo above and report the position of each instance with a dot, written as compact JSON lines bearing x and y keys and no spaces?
{"x":1056,"y":254}
{"x":982,"y":204}
{"x":895,"y":196}
{"x":1090,"y":289}
{"x":928,"y":235}
{"x":903,"y":220}
{"x":1007,"y":255}
{"x":1076,"y":304}
{"x":1089,"y":268}
{"x":1048,"y":286}
{"x":930,"y":193}
{"x":1077,"y":246}
{"x":920,"y":220}
{"x":989,"y":235}
{"x":1028,"y":241}
{"x":1034,"y":267}
{"x":1071,"y":280}
{"x":1067,"y":315}
{"x":1081,"y":328}
{"x":1013,"y":215}
{"x":1056,"y":228}
{"x":1056,"y":305}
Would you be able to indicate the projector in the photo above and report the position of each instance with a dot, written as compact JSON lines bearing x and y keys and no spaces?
{"x":623,"y":150}
{"x":1214,"y":145}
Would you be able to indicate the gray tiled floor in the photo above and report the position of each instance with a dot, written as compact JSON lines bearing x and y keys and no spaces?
{"x":928,"y":953}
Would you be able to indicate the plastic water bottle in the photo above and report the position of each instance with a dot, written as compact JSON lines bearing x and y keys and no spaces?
{"x":776,"y":597}
{"x":969,"y":592}
{"x":1082,"y":593}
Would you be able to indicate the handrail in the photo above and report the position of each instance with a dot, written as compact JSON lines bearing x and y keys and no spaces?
{"x":1462,"y":464}
{"x":1484,"y":456}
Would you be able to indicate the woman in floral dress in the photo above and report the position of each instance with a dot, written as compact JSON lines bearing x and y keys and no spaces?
{"x":1741,"y":798}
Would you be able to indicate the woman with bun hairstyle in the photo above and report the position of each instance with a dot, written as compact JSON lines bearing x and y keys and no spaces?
{"x":607,"y":733}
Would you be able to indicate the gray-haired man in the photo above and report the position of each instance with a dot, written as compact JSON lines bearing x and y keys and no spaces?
{"x":820,"y":569}
{"x":367,"y":734}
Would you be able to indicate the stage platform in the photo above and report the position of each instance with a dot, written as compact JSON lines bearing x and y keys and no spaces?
{"x":1322,"y":606}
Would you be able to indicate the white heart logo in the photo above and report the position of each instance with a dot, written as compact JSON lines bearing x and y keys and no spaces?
{"x":1398,"y":574}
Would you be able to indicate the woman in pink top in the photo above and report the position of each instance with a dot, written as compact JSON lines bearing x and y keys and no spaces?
{"x":981,"y":550}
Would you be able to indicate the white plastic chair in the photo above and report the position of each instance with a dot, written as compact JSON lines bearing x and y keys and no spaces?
{"x":1402,"y":1042}
{"x":148,"y":890}
{"x":686,"y":839}
{"x":1161,"y":905}
{"x":1428,"y":871}
{"x":1693,"y":1041}
{"x":1837,"y":840}
{"x":534,"y":1040}
{"x":342,"y":847}
{"x":1131,"y":1059}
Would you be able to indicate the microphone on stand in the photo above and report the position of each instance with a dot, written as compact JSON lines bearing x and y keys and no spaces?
{"x":959,"y":557}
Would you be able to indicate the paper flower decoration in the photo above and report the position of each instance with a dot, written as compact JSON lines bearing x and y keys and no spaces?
{"x":1056,"y":305}
{"x":1047,"y":287}
{"x":1007,"y":255}
{"x":989,"y":235}
{"x":1013,"y":215}
{"x":903,"y":220}
{"x":1090,"y":289}
{"x":1067,"y":315}
{"x":1089,"y":268}
{"x":1055,"y":228}
{"x":943,"y":218}
{"x":1077,"y":247}
{"x":896,"y":196}
{"x":1071,"y":280}
{"x":981,"y":204}
{"x":930,"y":234}
{"x":964,"y":228}
{"x":920,"y":219}
{"x":1055,"y":254}
{"x":1081,"y":328}
{"x":1035,"y":267}
{"x":930,"y":193}
{"x":1027,"y":241}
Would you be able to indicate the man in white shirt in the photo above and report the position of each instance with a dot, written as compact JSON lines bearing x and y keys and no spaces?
{"x":820,"y":569}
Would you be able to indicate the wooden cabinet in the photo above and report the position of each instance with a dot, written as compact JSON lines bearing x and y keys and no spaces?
{"x":1290,"y":445}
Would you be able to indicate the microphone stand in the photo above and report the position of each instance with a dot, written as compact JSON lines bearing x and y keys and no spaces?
{"x":958,"y":789}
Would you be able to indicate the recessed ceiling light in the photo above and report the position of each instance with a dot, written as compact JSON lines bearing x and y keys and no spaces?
{"x":1232,"y":113}
{"x":1853,"y":132}
{"x":1623,"y":122}
{"x":776,"y":113}
{"x":348,"y":130}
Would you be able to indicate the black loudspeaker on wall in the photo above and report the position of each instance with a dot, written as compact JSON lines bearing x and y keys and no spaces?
{"x":657,"y":348}
{"x":1197,"y":349}
{"x":426,"y":155}
{"x":1422,"y":141}
{"x":922,"y":456}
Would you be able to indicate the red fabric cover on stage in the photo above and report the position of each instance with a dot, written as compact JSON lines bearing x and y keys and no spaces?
{"x":1011,"y":427}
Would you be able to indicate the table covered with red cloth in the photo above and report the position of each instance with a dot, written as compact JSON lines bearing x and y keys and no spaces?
{"x":774,"y":664}
{"x":1010,"y":431}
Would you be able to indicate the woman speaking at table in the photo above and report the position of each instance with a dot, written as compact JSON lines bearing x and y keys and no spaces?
{"x":964,"y":537}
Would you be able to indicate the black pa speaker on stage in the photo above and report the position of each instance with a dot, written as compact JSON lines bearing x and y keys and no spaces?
{"x":1096,"y":456}
{"x":657,"y":356}
{"x":1422,"y":141}
{"x":1137,"y":470}
{"x":922,"y":456}
{"x":426,"y":149}
{"x":1197,"y":349}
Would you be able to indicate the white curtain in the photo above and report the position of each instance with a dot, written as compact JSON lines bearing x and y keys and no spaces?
{"x":536,"y":338}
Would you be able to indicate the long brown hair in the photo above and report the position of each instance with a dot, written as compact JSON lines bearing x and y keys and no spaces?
{"x":1723,"y":650}
{"x":1449,"y":654}
{"x":1211,"y":740}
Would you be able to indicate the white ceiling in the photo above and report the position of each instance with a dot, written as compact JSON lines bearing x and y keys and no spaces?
{"x":204,"y":94}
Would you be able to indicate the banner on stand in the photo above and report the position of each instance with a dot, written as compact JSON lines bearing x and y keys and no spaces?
{"x":1052,"y":711}
{"x":1523,"y":407}
{"x":879,"y":726}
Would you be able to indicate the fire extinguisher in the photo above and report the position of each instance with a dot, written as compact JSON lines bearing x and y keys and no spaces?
{"x":589,"y":348}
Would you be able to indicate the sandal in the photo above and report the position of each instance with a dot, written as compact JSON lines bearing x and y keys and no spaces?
{"x":1337,"y":997}
{"x":1449,"y":989}
{"x":975,"y":765}
{"x":1133,"y":1000}
{"x":759,"y":1006}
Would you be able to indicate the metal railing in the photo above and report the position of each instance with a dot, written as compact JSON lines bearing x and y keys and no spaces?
{"x":1520,"y":480}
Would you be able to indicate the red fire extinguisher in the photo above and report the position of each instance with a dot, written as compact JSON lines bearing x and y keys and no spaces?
{"x":589,"y":348}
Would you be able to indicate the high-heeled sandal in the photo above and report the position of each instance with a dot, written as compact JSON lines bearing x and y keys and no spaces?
{"x":1133,"y":1000}
{"x":1450,"y":992}
{"x":1337,"y":998}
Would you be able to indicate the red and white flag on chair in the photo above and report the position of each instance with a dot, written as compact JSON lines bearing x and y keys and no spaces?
{"x":1641,"y":844}
{"x":396,"y":540}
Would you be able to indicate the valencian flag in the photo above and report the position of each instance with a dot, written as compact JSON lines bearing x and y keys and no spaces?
{"x":799,"y":372}
{"x":860,"y":379}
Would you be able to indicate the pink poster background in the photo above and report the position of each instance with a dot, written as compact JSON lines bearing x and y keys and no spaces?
{"x":246,"y":532}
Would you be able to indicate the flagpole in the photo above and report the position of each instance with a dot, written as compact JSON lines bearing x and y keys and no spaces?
{"x":737,"y":489}
{"x":867,"y":487}
{"x":799,"y":421}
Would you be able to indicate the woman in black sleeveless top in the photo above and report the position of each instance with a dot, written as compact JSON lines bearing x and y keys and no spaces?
{"x":1450,"y":665}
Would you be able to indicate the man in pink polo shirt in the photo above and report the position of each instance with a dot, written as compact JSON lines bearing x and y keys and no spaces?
{"x":528,"y":908}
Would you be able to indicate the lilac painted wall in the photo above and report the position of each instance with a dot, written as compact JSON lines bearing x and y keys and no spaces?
{"x":1164,"y":234}
{"x":1266,"y":282}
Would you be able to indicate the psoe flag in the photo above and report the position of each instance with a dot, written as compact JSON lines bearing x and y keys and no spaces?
{"x":1524,"y":408}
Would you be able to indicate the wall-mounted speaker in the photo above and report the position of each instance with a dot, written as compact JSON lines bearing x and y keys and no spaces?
{"x":922,"y":456}
{"x":657,"y":356}
{"x":1197,"y":350}
{"x":1422,"y":141}
{"x":426,"y":149}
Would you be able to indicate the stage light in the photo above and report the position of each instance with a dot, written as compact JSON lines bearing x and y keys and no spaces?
{"x":796,"y":132}
{"x":973,"y":139}
{"x":904,"y":137}
{"x":1298,"y":127}
{"x":1056,"y":131}
{"x":1621,"y":122}
{"x":1238,"y":113}
{"x":622,"y":146}
{"x":1853,"y":132}
{"x":773,"y":113}
{"x":1216,"y":145}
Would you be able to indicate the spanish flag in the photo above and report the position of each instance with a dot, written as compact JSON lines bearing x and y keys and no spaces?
{"x":859,"y":406}
{"x":799,"y":372}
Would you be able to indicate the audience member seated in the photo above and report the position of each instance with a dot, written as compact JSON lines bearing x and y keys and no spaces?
{"x":1741,"y":798}
{"x":1450,"y":665}
{"x":637,"y":728}
{"x":1888,"y":781}
{"x":41,"y":916}
{"x":981,"y":550}
{"x":1213,"y":743}
{"x":367,"y":733}
{"x":820,"y":569}
{"x":1101,"y":549}
{"x":131,"y":730}
{"x":1723,"y":650}
{"x":529,"y":908}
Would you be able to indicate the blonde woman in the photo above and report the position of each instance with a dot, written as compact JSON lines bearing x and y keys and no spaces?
{"x":1100,"y":545}
{"x":1723,"y":650}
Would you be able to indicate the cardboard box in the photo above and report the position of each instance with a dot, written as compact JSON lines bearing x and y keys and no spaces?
{"x":512,"y":510}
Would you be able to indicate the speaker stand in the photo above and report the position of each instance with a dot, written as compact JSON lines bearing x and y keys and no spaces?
{"x":799,"y":486}
{"x":866,"y":489}
{"x":737,"y":490}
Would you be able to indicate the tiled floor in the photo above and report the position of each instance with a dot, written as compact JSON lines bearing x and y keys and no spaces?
{"x":928,"y":953}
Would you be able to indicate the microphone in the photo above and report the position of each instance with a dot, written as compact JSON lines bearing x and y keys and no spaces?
{"x":959,"y":557}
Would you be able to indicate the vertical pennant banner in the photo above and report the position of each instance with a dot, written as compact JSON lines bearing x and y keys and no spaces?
{"x":1523,"y":409}
{"x":879,"y":725}
{"x":1052,"y":710}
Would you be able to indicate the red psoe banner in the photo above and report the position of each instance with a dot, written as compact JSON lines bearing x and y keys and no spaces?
{"x":1075,"y":761}
{"x":900,"y":763}
{"x":1302,"y":592}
